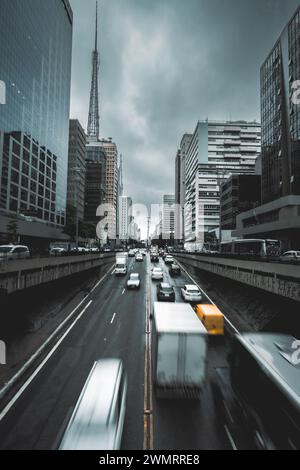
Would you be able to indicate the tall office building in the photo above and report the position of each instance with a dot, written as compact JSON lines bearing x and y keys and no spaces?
{"x":279,"y":215}
{"x":180,"y":185}
{"x":239,"y":193}
{"x":125,"y":213}
{"x":177,"y":177}
{"x":76,"y":167}
{"x":35,"y":65}
{"x":168,"y":216}
{"x":95,"y":194}
{"x":111,"y":183}
{"x":217,"y":150}
{"x":280,"y":117}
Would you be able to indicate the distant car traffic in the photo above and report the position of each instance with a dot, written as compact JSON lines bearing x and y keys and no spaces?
{"x":174,"y":270}
{"x":154,"y":258}
{"x":191,"y":293}
{"x":290,"y":255}
{"x":134,"y":281}
{"x":10,"y":252}
{"x":165,"y":292}
{"x":157,"y":274}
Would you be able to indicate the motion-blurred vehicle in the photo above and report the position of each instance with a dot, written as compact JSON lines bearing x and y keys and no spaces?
{"x":191,"y":293}
{"x":57,"y":251}
{"x":9,"y":252}
{"x":169,"y":259}
{"x":98,"y":418}
{"x":139,"y":257}
{"x":131,"y":253}
{"x":157,"y":274}
{"x":174,"y":270}
{"x":290,"y":256}
{"x":165,"y":291}
{"x":211,"y":317}
{"x":134,"y":281}
{"x":258,"y":394}
{"x":179,"y":347}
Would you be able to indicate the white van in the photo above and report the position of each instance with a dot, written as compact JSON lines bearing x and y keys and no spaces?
{"x":121,"y":266}
{"x":98,"y":418}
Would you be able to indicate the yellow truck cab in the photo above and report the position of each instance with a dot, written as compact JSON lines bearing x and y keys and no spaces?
{"x":211,"y":317}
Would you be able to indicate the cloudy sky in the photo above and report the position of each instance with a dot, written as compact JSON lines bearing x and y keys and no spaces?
{"x":164,"y":65}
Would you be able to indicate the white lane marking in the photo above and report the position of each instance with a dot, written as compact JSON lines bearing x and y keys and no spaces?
{"x":113,"y":317}
{"x":234,"y":447}
{"x":28,"y":363}
{"x":228,"y":321}
{"x":123,"y":291}
{"x":37,"y":370}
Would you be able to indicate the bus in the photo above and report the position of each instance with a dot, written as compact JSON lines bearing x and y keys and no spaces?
{"x":252,"y":247}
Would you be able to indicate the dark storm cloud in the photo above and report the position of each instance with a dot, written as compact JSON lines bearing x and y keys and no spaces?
{"x":165,"y":64}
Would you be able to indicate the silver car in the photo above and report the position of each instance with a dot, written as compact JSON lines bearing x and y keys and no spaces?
{"x":98,"y":418}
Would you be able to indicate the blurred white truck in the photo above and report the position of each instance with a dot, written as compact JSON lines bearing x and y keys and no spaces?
{"x":179,"y":348}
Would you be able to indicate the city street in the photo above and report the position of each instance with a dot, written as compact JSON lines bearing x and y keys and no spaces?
{"x":114,"y":325}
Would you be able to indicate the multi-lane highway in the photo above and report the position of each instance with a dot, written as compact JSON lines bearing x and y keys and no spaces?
{"x":113,"y":322}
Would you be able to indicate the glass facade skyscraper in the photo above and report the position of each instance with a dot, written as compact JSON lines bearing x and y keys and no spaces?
{"x":35,"y":65}
{"x":280,"y":116}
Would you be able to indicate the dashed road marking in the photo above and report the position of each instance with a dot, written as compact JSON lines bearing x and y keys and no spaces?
{"x":113,"y":317}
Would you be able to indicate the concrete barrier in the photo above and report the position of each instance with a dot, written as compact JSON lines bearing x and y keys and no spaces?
{"x":18,"y":275}
{"x":277,"y":278}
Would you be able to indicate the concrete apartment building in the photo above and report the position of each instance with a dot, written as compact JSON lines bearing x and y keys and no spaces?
{"x":217,"y":150}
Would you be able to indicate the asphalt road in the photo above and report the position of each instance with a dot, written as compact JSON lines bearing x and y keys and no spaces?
{"x":114,"y":324}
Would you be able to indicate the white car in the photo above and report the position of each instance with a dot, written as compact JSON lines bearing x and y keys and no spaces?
{"x":290,"y":255}
{"x":157,"y":274}
{"x":191,"y":293}
{"x":139,"y":257}
{"x":14,"y":252}
{"x":169,"y":259}
{"x":134,"y":281}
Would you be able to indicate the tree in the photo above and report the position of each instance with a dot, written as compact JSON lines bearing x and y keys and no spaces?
{"x":70,"y":227}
